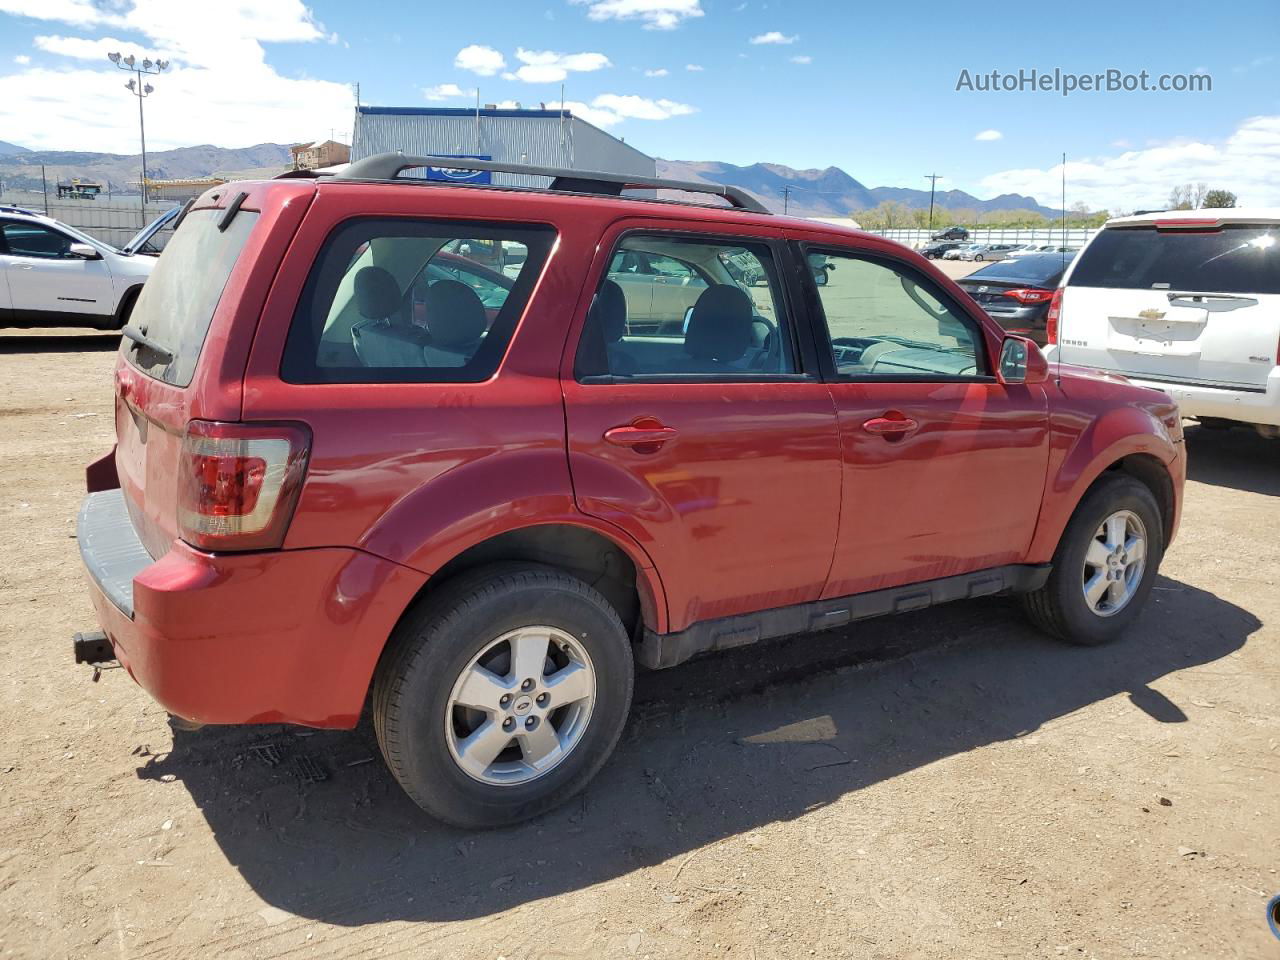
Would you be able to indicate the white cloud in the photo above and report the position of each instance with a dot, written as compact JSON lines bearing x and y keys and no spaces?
{"x":1244,"y":163}
{"x":22,"y":59}
{"x":655,"y":14}
{"x":694,"y":67}
{"x":547,"y":66}
{"x":660,"y":72}
{"x":802,"y":59}
{"x":220,"y":74}
{"x":480,"y":59}
{"x":610,"y":109}
{"x":444,"y":91}
{"x":989,"y":135}
{"x":774,"y":36}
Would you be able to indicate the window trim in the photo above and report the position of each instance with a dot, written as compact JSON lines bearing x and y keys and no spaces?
{"x":822,"y":332}
{"x":298,"y":358}
{"x":807,"y":359}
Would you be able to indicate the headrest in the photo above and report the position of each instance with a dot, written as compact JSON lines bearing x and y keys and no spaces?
{"x":377,"y":293}
{"x":609,"y":312}
{"x":720,"y":325}
{"x":455,"y":314}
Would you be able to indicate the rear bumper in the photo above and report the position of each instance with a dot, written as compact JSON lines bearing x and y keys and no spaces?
{"x":1244,"y":406}
{"x":284,"y":636}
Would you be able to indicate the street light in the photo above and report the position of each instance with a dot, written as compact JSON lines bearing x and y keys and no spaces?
{"x":141,"y":90}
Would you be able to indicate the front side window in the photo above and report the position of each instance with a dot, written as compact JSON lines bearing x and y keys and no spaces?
{"x":413,"y":301}
{"x":885,"y":321}
{"x":674,"y":306}
{"x":23,"y":239}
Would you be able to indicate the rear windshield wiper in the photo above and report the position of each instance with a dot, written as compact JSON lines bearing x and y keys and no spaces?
{"x":163,"y":353}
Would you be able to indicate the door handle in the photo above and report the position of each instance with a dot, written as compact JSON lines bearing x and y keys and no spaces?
{"x":891,"y":427}
{"x":645,"y":433}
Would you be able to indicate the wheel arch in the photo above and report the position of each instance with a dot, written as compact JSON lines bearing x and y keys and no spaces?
{"x":125,"y":307}
{"x":1127,"y":439}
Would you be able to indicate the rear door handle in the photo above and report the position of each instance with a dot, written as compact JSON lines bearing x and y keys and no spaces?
{"x":891,"y":428}
{"x":640,"y":434}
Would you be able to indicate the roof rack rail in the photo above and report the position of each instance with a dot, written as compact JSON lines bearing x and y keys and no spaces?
{"x":387,"y":166}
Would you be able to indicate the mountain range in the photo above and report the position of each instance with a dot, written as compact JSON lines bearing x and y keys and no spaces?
{"x":806,"y":193}
{"x":20,"y":168}
{"x":830,"y":192}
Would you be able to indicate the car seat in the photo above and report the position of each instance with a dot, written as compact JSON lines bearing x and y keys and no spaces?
{"x":719,"y":330}
{"x":382,"y":338}
{"x":609,"y":315}
{"x":456,"y":322}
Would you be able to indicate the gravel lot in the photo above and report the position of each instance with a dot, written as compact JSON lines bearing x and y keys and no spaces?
{"x":946,"y":784}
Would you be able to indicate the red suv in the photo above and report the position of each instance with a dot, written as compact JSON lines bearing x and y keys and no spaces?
{"x":470,"y":454}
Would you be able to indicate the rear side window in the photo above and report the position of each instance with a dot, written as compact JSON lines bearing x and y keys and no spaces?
{"x":177,"y":302}
{"x":1235,"y":259}
{"x":413,"y":301}
{"x":673,"y":307}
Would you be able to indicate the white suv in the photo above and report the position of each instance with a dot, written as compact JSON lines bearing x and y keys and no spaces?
{"x":54,"y":275}
{"x":1188,"y":303}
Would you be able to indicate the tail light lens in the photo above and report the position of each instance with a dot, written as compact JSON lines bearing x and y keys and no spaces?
{"x":1029,"y":295}
{"x":1053,"y":316}
{"x":238,"y":483}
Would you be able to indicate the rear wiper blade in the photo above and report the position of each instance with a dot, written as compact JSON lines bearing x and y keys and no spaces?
{"x":141,"y":339}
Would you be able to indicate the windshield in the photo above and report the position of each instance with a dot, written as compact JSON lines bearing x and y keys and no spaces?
{"x":145,"y":240}
{"x":1240,"y":259}
{"x":177,"y":302}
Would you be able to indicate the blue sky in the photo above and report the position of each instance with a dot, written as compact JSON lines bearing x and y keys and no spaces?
{"x":870,"y":88}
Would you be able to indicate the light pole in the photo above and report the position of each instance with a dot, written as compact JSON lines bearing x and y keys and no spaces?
{"x":933,"y":183}
{"x":140,"y":89}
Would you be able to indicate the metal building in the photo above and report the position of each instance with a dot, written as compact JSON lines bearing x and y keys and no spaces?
{"x":542,"y":137}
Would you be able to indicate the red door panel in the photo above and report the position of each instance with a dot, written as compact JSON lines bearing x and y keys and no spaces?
{"x":958,"y":491}
{"x":732,"y":488}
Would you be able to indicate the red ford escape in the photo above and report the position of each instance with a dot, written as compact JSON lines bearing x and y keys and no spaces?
{"x":472,"y":453}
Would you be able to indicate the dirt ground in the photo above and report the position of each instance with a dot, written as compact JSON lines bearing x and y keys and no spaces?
{"x":947,"y":784}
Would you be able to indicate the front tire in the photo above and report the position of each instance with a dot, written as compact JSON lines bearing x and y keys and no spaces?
{"x":503,"y":694}
{"x":1105,"y":564}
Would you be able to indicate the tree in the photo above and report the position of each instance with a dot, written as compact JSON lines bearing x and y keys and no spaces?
{"x":1188,"y":196}
{"x":1219,"y":198}
{"x":889,"y":215}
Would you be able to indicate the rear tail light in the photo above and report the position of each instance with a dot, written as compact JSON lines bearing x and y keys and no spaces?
{"x":1029,"y":295}
{"x":1053,"y":316}
{"x":238,"y":483}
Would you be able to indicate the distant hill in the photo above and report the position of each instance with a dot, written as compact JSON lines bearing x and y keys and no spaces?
{"x":21,"y":170}
{"x":7,"y":148}
{"x":830,"y":192}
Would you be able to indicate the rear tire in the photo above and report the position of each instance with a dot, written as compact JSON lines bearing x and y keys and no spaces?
{"x":462,"y":646}
{"x":1062,"y":608}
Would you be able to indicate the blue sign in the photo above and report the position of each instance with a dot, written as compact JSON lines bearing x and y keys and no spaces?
{"x":454,"y":175}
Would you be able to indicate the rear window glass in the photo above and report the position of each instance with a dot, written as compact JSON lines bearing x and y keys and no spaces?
{"x":177,"y":302}
{"x":413,"y":301}
{"x":1032,"y":269}
{"x":1235,"y":259}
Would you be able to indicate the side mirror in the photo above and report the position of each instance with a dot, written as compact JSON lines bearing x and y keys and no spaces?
{"x":1022,"y":362}
{"x":84,"y":251}
{"x":820,"y":277}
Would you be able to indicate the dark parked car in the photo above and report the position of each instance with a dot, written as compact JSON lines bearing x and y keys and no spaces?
{"x":951,"y":233}
{"x":1017,"y":292}
{"x":936,"y":249}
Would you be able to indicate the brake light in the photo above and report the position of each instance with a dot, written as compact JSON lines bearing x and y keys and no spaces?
{"x":1028,"y":295}
{"x":1052,"y":317}
{"x":238,"y":483}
